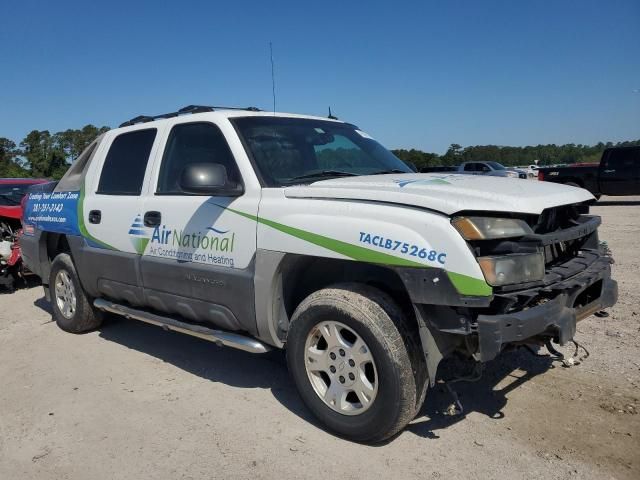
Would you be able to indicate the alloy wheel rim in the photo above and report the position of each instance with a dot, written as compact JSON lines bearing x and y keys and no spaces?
{"x":340,"y":367}
{"x":65,"y":294}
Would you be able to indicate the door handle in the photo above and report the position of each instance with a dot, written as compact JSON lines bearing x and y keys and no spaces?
{"x":152,"y":219}
{"x":95,"y":216}
{"x":609,"y":171}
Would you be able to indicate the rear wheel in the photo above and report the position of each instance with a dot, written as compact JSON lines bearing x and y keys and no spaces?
{"x":355,"y":362}
{"x":72,"y":308}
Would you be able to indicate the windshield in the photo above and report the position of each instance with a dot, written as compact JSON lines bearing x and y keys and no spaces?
{"x":289,"y":151}
{"x":11,"y":194}
{"x":496,"y":166}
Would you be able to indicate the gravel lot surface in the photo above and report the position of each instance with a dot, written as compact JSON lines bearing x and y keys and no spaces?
{"x":131,"y":401}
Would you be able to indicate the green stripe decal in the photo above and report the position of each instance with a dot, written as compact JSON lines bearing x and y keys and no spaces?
{"x":83,"y":228}
{"x":465,"y":284}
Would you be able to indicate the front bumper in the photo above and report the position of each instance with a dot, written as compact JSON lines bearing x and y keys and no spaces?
{"x":562,"y":305}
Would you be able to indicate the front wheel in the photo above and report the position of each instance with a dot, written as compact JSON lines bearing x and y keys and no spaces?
{"x":72,"y":308}
{"x":354,"y":359}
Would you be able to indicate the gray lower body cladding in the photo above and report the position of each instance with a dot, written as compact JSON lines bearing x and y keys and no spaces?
{"x":204,"y":294}
{"x":432,"y":286}
{"x":30,"y":245}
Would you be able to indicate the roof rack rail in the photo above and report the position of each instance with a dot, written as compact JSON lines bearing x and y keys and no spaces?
{"x":183,"y":111}
{"x":248,"y":109}
{"x":195,"y":109}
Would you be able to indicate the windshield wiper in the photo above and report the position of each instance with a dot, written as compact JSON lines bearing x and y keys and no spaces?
{"x":393,"y":170}
{"x":322,"y":174}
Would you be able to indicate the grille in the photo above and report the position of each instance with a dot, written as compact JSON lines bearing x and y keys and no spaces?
{"x":557,"y":218}
{"x":561,"y":252}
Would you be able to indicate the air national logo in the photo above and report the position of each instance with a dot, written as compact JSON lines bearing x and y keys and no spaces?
{"x":138,"y":235}
{"x":212,"y":239}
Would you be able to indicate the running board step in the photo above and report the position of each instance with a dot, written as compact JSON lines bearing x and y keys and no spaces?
{"x":219,"y":337}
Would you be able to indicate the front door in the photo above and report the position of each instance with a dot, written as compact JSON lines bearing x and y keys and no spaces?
{"x":198,"y":260}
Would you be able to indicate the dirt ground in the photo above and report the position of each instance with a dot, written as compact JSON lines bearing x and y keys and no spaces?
{"x":131,"y":401}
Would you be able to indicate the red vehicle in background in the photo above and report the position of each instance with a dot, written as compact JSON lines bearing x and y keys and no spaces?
{"x":12,"y":191}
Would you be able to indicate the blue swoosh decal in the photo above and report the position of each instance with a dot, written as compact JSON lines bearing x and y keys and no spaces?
{"x":402,"y":183}
{"x":221,"y":232}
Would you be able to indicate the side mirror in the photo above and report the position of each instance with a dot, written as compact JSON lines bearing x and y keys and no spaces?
{"x":208,"y":179}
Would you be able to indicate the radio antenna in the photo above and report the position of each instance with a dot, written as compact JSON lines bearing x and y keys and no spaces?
{"x":273,"y":78}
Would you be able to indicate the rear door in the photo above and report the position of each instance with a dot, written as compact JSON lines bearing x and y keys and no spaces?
{"x":619,"y":172}
{"x":199,"y":250}
{"x":112,"y":198}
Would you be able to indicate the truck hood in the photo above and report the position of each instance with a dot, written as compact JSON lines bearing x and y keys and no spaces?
{"x":446,"y":193}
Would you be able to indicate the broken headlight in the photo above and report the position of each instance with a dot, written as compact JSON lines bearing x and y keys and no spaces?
{"x":514,"y":268}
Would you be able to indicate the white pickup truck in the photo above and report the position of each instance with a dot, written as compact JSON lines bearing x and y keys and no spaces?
{"x":261,"y":230}
{"x":492,"y":169}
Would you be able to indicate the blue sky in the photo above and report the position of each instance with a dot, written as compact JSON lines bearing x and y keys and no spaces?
{"x":413,"y":74}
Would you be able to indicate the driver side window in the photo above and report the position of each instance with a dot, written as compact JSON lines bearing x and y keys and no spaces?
{"x":188,"y":143}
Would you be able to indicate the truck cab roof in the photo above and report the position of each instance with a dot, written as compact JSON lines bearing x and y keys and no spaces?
{"x":199,"y":112}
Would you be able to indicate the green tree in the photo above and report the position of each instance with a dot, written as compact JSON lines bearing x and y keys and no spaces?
{"x":73,"y":142}
{"x":419,"y":158}
{"x":50,"y":156}
{"x":453,"y":155}
{"x":9,"y":160}
{"x":43,"y":156}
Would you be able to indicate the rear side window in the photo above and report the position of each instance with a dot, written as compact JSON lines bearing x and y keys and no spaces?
{"x":198,"y":142}
{"x":126,"y":163}
{"x":623,"y":159}
{"x":470,"y":167}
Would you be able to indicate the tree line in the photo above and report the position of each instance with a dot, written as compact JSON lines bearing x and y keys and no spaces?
{"x":44,"y":155}
{"x":511,"y":156}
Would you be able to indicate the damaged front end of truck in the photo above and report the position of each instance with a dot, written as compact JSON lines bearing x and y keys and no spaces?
{"x":547,"y":272}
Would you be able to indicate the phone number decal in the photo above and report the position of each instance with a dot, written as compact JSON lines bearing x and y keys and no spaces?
{"x":52,"y":212}
{"x":403,"y":247}
{"x":48,"y":207}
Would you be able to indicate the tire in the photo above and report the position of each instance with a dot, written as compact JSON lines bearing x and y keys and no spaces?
{"x":65,"y":289}
{"x":398,"y":375}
